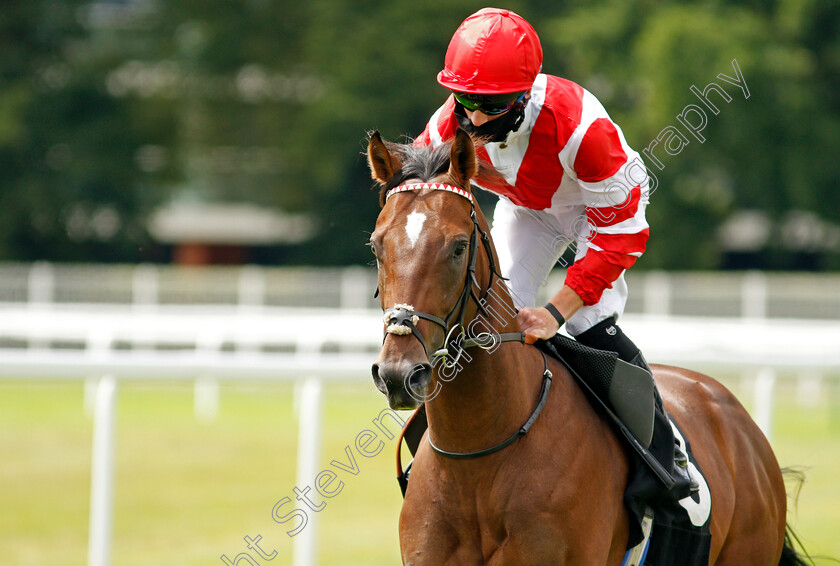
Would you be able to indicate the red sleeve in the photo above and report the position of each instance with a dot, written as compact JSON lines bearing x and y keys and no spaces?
{"x":607,"y":256}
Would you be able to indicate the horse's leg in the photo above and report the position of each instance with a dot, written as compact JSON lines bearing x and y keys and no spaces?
{"x":567,"y":509}
{"x":436,"y":526}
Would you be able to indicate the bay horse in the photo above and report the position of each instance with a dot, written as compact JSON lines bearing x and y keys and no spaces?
{"x":553,"y":496}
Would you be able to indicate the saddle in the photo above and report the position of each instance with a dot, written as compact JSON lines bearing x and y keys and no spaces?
{"x":619,"y":393}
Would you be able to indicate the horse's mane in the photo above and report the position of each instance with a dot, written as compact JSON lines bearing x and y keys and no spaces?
{"x":426,"y":163}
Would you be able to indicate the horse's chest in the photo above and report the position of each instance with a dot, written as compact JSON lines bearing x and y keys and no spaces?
{"x":512,"y":526}
{"x":485,"y":541}
{"x":530,"y":507}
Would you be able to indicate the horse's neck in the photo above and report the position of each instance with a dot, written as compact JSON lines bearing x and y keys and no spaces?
{"x":489,"y":393}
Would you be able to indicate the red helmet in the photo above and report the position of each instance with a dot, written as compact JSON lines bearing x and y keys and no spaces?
{"x":492,"y":52}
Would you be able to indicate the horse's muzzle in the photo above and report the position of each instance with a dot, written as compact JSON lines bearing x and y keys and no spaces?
{"x":403,"y":383}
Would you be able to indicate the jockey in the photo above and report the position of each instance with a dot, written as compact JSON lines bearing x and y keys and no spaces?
{"x":569,"y":180}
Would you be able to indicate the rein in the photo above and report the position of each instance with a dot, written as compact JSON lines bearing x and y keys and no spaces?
{"x":402,"y":319}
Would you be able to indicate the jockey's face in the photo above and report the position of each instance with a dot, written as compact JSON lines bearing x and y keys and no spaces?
{"x":481,"y":109}
{"x":478,"y":117}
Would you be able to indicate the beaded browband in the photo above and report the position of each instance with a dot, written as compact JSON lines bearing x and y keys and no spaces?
{"x":434,"y":186}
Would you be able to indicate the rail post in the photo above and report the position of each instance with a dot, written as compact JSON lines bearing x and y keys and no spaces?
{"x":305,"y":551}
{"x":102,"y":473}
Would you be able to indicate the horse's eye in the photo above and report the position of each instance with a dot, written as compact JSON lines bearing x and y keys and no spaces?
{"x":460,"y":249}
{"x":372,"y":248}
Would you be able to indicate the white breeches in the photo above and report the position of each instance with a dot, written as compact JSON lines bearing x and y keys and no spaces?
{"x":529,"y":244}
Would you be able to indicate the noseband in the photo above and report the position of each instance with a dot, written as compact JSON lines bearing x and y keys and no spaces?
{"x":402,"y":319}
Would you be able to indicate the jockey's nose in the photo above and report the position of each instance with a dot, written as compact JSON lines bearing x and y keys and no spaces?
{"x":477,"y":117}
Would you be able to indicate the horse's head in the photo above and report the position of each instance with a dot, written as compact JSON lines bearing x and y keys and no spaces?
{"x":426,"y":246}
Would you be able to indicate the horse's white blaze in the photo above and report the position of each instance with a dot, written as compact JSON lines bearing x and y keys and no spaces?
{"x":414,"y":225}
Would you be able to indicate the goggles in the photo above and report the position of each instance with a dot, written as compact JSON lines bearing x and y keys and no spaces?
{"x":491,"y":105}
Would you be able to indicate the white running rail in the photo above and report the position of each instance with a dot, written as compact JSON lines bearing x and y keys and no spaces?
{"x":261,"y":343}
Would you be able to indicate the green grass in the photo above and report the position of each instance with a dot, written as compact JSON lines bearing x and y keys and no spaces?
{"x":808,"y":438}
{"x":187,"y":492}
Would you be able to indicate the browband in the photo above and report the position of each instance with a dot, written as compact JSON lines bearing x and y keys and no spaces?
{"x":434,"y":186}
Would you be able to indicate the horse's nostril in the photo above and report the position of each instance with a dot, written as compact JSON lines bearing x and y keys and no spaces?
{"x":419,"y":378}
{"x":421,"y":368}
{"x":403,"y":383}
{"x":377,"y":379}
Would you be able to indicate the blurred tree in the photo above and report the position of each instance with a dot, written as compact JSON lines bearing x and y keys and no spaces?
{"x":380,"y":58}
{"x":109,"y":108}
{"x":765,"y":152}
{"x":63,"y":143}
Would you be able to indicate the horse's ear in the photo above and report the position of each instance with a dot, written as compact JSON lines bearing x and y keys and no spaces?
{"x":463,"y":164}
{"x":383,"y":164}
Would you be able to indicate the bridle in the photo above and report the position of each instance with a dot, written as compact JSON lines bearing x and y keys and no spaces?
{"x":402,"y":319}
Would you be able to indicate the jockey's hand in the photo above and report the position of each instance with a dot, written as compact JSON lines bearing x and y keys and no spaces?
{"x":537,"y":324}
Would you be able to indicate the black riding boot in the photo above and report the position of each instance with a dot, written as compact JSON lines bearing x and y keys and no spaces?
{"x":606,"y":335}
